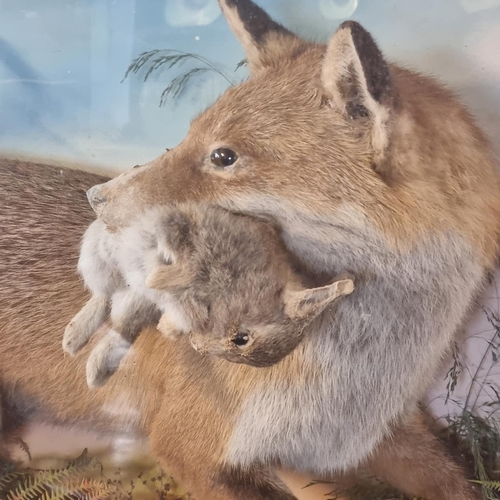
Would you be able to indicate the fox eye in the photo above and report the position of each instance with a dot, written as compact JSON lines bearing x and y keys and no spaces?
{"x":223,"y":157}
{"x":240,"y":339}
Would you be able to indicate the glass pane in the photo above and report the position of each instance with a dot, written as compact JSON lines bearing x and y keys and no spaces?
{"x":109,"y":84}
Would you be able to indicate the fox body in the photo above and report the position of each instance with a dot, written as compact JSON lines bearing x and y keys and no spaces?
{"x":365,"y":167}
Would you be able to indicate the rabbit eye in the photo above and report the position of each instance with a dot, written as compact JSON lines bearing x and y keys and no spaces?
{"x":241,"y":339}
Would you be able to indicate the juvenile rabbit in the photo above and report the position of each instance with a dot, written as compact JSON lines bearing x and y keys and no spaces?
{"x":224,"y":279}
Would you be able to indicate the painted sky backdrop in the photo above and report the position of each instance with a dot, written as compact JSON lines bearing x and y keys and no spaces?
{"x":62,"y":64}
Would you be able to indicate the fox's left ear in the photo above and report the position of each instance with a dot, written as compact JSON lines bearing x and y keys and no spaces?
{"x":310,"y":302}
{"x":264,"y":40}
{"x":358,"y":82}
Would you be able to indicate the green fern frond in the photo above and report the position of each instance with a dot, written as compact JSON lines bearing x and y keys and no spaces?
{"x":93,"y":489}
{"x":489,"y":485}
{"x":9,"y":478}
{"x":55,"y":495}
{"x":35,"y":488}
{"x":65,"y":483}
{"x":28,"y":489}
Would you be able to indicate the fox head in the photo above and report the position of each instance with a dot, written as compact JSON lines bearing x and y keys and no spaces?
{"x":325,"y":135}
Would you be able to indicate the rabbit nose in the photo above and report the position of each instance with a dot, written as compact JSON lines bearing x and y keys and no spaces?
{"x":96,"y":198}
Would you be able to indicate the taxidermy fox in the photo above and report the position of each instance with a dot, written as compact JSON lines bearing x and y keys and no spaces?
{"x":365,"y":167}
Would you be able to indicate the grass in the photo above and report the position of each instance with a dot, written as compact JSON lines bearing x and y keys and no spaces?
{"x":154,"y":60}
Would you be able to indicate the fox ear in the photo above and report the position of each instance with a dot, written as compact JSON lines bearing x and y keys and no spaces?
{"x":358,"y":82}
{"x":166,"y":277}
{"x":264,"y":40}
{"x":310,"y":302}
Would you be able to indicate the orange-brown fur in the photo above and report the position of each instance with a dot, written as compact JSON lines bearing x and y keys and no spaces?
{"x":433,"y":171}
{"x":181,"y":410}
{"x":183,"y":414}
{"x":444,"y":162}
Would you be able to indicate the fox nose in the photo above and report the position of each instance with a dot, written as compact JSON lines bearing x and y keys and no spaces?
{"x":96,"y":198}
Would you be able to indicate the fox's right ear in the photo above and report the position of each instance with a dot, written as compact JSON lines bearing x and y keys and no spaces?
{"x":358,"y":82}
{"x":166,"y":277}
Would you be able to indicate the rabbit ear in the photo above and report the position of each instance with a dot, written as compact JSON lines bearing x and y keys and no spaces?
{"x":176,"y":247}
{"x":312,"y":301}
{"x":175,"y":234}
{"x":165,"y":277}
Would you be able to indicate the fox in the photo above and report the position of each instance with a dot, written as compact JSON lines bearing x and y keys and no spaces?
{"x":365,"y":167}
{"x":223,"y":279}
